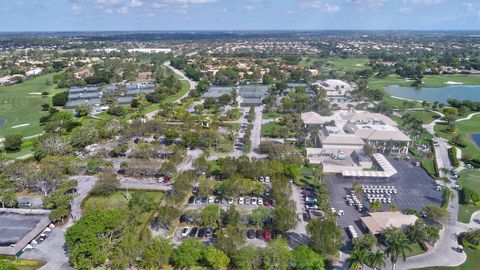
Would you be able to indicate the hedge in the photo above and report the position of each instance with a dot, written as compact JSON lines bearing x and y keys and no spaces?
{"x":468,"y":196}
{"x":452,"y":154}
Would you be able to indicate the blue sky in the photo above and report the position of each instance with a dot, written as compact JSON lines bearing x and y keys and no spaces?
{"x":99,"y":15}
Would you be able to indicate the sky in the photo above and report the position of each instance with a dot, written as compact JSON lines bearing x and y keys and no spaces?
{"x":131,"y":15}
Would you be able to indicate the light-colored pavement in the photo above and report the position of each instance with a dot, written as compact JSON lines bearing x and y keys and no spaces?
{"x":52,"y":250}
{"x":187,"y":164}
{"x":444,"y":253}
{"x":441,"y":155}
{"x":301,"y":228}
{"x":144,"y":184}
{"x":256,"y":133}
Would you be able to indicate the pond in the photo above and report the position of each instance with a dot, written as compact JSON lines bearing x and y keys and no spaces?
{"x":461,"y":92}
{"x":2,"y":122}
{"x":475,"y":137}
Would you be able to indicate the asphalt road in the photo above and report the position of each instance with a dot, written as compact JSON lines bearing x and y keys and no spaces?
{"x":52,"y":250}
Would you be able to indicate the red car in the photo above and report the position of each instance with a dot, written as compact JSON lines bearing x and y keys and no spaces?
{"x":266,"y":202}
{"x":267,"y":235}
{"x":259,"y":234}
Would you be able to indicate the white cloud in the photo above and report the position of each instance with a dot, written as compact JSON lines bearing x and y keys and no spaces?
{"x":321,"y":5}
{"x":123,"y":6}
{"x":136,"y":3}
{"x":424,"y":2}
{"x":406,"y":10}
{"x":367,"y":4}
{"x":472,"y":9}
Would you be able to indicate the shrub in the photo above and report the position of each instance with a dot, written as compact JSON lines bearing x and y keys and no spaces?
{"x":13,"y":142}
{"x":60,"y":99}
{"x":452,"y":154}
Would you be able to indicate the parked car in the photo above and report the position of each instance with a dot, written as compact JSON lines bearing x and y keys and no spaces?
{"x":259,"y":234}
{"x":310,"y":199}
{"x":260,"y":201}
{"x":306,"y":217}
{"x":241,"y":200}
{"x":247,"y":201}
{"x":209,"y":232}
{"x":211,"y":199}
{"x":193,"y":232}
{"x":185,"y":231}
{"x":254,"y":201}
{"x":251,"y":234}
{"x":230,"y":200}
{"x":267,"y":235}
{"x":191,"y":199}
{"x":204,"y":199}
{"x":311,"y":207}
{"x":201,"y":232}
{"x":25,"y":204}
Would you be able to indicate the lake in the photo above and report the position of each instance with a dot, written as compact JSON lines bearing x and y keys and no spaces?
{"x":461,"y":92}
{"x":475,"y":137}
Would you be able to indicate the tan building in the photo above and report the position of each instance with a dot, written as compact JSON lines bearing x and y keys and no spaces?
{"x":377,"y":222}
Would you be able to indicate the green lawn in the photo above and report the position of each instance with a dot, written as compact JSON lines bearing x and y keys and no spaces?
{"x":415,"y":250}
{"x":23,"y":264}
{"x":431,"y":81}
{"x":425,"y":116}
{"x":471,"y":180}
{"x":18,"y":106}
{"x":117,"y":200}
{"x":464,"y":128}
{"x":267,"y":129}
{"x":350,"y":64}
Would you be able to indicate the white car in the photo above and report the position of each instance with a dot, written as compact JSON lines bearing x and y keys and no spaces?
{"x":310,"y":200}
{"x":160,"y":179}
{"x":267,"y":179}
{"x":261,"y":179}
{"x":241,"y":200}
{"x":211,"y":199}
{"x":260,"y":201}
{"x":254,"y":201}
{"x":185,"y":231}
{"x":311,"y":207}
{"x":340,"y":213}
{"x":230,"y":200}
{"x":333,"y":210}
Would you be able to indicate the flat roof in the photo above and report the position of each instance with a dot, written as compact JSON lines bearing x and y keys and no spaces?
{"x":18,"y":229}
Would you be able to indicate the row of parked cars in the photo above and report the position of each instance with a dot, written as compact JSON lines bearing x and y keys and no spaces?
{"x":229,"y":200}
{"x":310,"y":198}
{"x":198,"y":232}
{"x":259,"y":234}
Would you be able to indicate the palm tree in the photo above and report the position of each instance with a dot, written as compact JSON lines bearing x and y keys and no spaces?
{"x":473,"y":236}
{"x":375,"y":206}
{"x":376,"y":259}
{"x":397,"y":246}
{"x":357,"y":259}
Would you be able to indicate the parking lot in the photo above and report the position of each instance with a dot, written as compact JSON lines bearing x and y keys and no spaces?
{"x":415,"y":189}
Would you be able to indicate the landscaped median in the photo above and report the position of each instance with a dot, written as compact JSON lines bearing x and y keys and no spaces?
{"x":452,"y":155}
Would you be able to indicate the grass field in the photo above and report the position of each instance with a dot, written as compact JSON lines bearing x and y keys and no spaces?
{"x":431,"y":81}
{"x":415,"y":250}
{"x":464,"y":128}
{"x":22,"y":264}
{"x":471,"y":180}
{"x":19,"y":107}
{"x":425,"y":116}
{"x":267,"y":129}
{"x":350,"y":64}
{"x":117,"y":200}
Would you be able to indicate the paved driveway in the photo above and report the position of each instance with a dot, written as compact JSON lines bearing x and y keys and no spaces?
{"x":52,"y":250}
{"x":298,"y":236}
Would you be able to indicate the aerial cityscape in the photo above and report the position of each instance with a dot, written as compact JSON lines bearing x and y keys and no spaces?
{"x":242,"y":135}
